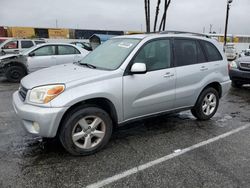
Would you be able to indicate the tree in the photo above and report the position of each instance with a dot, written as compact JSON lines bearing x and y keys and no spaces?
{"x":164,"y":15}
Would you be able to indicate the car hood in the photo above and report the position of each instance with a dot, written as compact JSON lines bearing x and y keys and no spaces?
{"x":245,"y":59}
{"x":9,"y":56}
{"x":68,"y":74}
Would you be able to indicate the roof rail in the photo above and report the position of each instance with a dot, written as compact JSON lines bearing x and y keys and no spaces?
{"x":185,"y":32}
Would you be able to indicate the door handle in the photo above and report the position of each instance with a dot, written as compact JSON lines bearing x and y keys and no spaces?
{"x":203,"y":68}
{"x":168,"y":75}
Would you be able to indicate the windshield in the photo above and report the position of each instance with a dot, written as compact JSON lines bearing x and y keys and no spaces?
{"x":111,"y":54}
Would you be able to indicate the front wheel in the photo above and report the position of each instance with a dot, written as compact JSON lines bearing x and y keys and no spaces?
{"x":206,"y":105}
{"x":15,"y":73}
{"x":86,"y":130}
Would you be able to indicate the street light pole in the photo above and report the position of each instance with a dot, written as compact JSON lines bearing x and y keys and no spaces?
{"x":228,"y":8}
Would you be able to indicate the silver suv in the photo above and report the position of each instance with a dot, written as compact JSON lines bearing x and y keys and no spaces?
{"x":125,"y":79}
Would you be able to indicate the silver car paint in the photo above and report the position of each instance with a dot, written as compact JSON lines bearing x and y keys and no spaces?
{"x":133,"y":96}
{"x":35,"y":63}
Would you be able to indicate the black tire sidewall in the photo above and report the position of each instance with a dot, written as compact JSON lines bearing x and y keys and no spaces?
{"x":18,"y":69}
{"x":198,"y":112}
{"x":65,"y":134}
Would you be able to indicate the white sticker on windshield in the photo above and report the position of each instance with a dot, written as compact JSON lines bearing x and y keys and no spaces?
{"x":125,"y":45}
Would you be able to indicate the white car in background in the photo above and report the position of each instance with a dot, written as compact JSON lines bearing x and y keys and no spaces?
{"x":14,"y":67}
{"x":15,"y":46}
{"x":230,"y":52}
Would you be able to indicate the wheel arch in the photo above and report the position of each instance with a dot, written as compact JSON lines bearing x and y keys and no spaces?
{"x":15,"y":63}
{"x":103,"y":103}
{"x":216,"y":86}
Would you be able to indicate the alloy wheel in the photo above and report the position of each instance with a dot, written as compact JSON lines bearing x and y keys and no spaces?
{"x":88,"y":132}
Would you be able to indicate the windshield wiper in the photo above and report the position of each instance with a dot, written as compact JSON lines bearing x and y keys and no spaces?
{"x":88,"y":65}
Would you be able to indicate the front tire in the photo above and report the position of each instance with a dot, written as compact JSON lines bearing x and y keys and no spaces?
{"x":15,"y":73}
{"x":206,"y":105}
{"x":86,"y":130}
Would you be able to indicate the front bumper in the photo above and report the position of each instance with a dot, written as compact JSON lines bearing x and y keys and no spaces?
{"x":241,"y":76}
{"x":38,"y":120}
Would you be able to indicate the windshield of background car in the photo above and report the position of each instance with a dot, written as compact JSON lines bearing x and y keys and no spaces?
{"x":111,"y":54}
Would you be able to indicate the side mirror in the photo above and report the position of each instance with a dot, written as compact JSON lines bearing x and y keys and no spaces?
{"x":138,"y":68}
{"x":31,"y":54}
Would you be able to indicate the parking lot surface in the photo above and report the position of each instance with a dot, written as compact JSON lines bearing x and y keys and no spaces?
{"x":30,"y":161}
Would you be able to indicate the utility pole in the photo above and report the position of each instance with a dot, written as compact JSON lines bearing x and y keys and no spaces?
{"x":56,"y":23}
{"x":210,"y":30}
{"x":227,"y":15}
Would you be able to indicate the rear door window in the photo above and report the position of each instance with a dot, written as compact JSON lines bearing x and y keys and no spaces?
{"x":26,"y":44}
{"x":186,"y":52}
{"x":67,"y":50}
{"x":211,"y":51}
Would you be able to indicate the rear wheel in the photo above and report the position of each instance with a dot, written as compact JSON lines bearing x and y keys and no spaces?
{"x":206,"y":105}
{"x":15,"y":73}
{"x":86,"y":130}
{"x":236,"y":84}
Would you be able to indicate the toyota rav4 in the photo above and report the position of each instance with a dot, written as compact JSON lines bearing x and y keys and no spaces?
{"x":125,"y":79}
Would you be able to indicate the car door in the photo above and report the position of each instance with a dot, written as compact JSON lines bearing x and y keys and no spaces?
{"x":154,"y":91}
{"x":67,"y":54}
{"x":191,"y":70}
{"x":41,"y":57}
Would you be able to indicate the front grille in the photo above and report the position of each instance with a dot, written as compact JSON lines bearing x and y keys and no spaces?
{"x":22,"y":93}
{"x":245,"y":66}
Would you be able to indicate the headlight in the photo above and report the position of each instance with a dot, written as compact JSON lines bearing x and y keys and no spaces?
{"x":45,"y":94}
{"x":233,"y":65}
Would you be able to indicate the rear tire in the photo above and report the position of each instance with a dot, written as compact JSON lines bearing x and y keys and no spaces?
{"x":236,"y":84}
{"x":15,"y":73}
{"x":206,"y":105}
{"x":85,"y":130}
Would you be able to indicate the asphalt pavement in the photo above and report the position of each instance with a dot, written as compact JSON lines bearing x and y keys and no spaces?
{"x":221,"y":160}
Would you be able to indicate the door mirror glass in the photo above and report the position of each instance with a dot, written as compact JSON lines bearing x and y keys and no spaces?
{"x":138,"y":68}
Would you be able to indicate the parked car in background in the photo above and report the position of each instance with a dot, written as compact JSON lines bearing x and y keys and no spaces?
{"x":240,"y":71}
{"x":14,"y":67}
{"x":12,"y":46}
{"x":124,"y":79}
{"x":245,"y":53}
{"x":83,"y":45}
{"x":230,"y":51}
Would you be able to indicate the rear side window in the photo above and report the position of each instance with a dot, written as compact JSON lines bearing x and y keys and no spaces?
{"x":67,"y":50}
{"x":26,"y":44}
{"x":211,"y":51}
